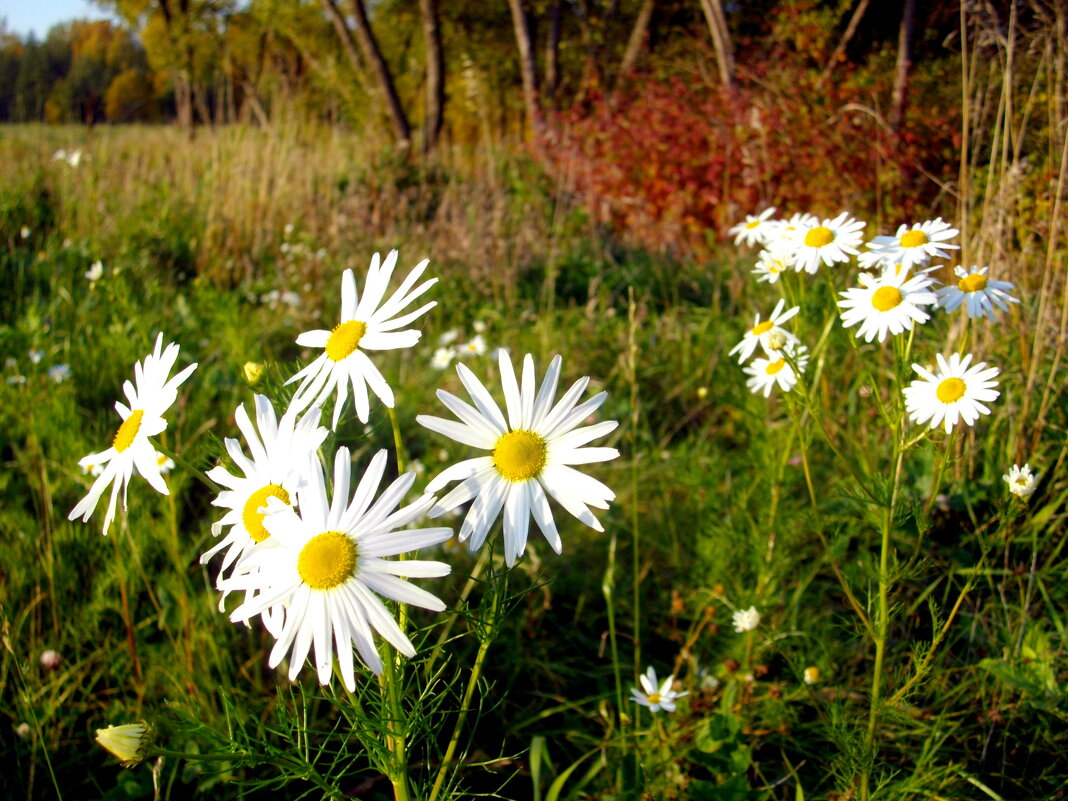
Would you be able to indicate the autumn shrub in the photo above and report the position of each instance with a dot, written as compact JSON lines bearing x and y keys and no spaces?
{"x":672,"y":161}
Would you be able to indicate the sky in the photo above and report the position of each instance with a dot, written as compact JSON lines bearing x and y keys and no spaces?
{"x":37,"y":16}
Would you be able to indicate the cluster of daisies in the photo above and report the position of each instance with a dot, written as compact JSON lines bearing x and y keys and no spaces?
{"x":450,"y":347}
{"x":897,"y":291}
{"x":311,"y":558}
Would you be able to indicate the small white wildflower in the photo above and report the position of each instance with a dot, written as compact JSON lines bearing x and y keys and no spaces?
{"x":165,"y":462}
{"x":442,"y":358}
{"x":1021,"y":481}
{"x":653,"y":695}
{"x":753,"y":230}
{"x":746,"y":619}
{"x":476,"y":347}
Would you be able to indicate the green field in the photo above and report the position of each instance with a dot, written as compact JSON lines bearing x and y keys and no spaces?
{"x":911,"y":636}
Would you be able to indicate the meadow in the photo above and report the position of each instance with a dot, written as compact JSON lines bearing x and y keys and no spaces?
{"x":909,"y":636}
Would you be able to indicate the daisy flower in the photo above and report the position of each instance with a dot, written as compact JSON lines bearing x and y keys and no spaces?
{"x":59,"y":373}
{"x":1021,"y":481}
{"x":979,"y":294}
{"x":281,"y":453}
{"x":165,"y":462}
{"x":890,"y":303}
{"x":324,"y":563}
{"x":954,"y":392}
{"x":753,"y":229}
{"x":760,"y":331}
{"x":476,"y":347}
{"x":151,"y":394}
{"x":746,"y":619}
{"x":367,"y":324}
{"x":786,"y":234}
{"x":912,"y":244}
{"x":653,"y":695}
{"x":765,"y":373}
{"x":829,"y":242}
{"x":530,"y":456}
{"x":127,"y":742}
{"x":771,"y":264}
{"x":442,"y":358}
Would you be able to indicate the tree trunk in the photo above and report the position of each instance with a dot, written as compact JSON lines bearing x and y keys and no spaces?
{"x":183,"y":102}
{"x":638,"y":35}
{"x":348,"y":44}
{"x":201,"y":102}
{"x":527,"y":66}
{"x":183,"y":95}
{"x":552,"y":50}
{"x":904,"y":63}
{"x":851,"y":29}
{"x":402,"y":131}
{"x":721,"y":40}
{"x":435,"y":74}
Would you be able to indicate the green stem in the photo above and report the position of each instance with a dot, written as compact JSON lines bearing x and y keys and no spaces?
{"x":635,"y":419}
{"x":461,"y":718}
{"x":607,"y":584}
{"x":198,"y":474}
{"x":476,"y":571}
{"x":398,"y":443}
{"x":882,"y":621}
{"x":388,"y":683}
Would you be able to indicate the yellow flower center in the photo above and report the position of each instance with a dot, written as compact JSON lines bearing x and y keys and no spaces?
{"x":344,"y":339}
{"x":654,"y":698}
{"x":753,"y":224}
{"x":914,"y":238}
{"x":762,"y":328}
{"x":1021,"y":481}
{"x":519,"y":455}
{"x":819,"y":236}
{"x":950,"y":390}
{"x":327,"y":560}
{"x":124,"y":437}
{"x":976,"y":282}
{"x":774,"y":367}
{"x":886,"y":298}
{"x":251,"y":515}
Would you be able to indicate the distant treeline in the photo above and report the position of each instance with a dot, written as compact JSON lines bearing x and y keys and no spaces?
{"x":417,"y":67}
{"x":82,"y":72}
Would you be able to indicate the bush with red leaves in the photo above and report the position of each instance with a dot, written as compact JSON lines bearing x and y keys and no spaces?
{"x":671,"y":163}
